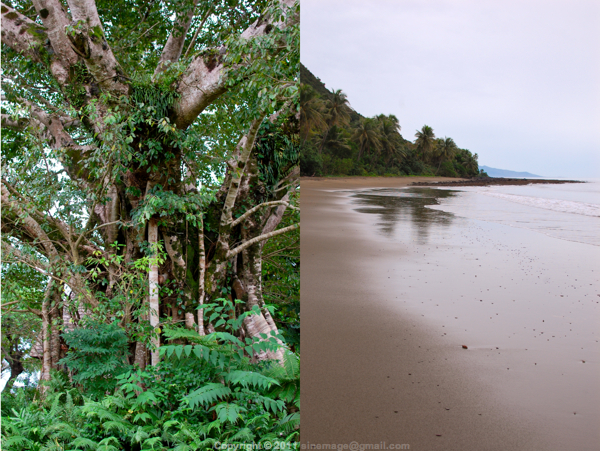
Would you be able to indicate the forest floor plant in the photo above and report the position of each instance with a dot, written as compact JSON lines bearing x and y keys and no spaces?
{"x":206,"y":390}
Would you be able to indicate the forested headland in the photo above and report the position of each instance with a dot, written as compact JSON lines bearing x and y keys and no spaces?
{"x":336,"y":140}
{"x":150,"y":224}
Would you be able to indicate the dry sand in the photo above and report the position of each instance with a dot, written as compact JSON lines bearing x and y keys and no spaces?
{"x":373,"y":371}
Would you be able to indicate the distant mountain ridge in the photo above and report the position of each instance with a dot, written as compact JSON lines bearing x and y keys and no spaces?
{"x":493,"y":172}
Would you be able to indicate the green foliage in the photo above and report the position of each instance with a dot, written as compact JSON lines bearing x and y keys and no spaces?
{"x":336,"y":140}
{"x":447,"y":169}
{"x":156,"y":99}
{"x":281,"y":280}
{"x":311,"y":162}
{"x":168,"y":204}
{"x":277,"y":154}
{"x":198,"y":394}
{"x":98,"y":354}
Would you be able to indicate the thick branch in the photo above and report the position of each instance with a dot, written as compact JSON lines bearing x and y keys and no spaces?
{"x":55,"y":20}
{"x":260,"y":238}
{"x":62,"y":229}
{"x":52,"y":129}
{"x":173,"y":254}
{"x":153,"y":288}
{"x":11,"y":122}
{"x":258,"y":207}
{"x":205,"y":79}
{"x":22,"y":34}
{"x":89,"y":42}
{"x":238,"y":165}
{"x":202,"y":271}
{"x":174,"y":45}
{"x":33,"y":228}
{"x":275,"y":217}
{"x":244,"y":148}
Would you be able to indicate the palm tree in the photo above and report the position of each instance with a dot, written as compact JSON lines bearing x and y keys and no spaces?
{"x":313,"y":115}
{"x":338,"y":113}
{"x":338,"y":109}
{"x":337,"y":142}
{"x":368,"y":136}
{"x":471,"y":163}
{"x":425,"y":141}
{"x":391,"y":141}
{"x":446,"y":149}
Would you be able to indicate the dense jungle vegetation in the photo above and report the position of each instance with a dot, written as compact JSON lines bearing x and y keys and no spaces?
{"x":150,"y":224}
{"x":336,"y":140}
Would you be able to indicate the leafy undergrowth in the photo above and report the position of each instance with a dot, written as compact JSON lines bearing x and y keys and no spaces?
{"x":201,"y":393}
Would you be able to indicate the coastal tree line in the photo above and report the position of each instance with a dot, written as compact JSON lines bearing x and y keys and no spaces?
{"x":150,"y":223}
{"x":336,"y":140}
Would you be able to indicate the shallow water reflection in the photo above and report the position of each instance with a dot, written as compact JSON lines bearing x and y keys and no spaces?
{"x":405,"y":207}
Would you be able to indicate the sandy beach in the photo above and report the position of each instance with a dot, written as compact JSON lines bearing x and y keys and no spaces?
{"x":385,"y":321}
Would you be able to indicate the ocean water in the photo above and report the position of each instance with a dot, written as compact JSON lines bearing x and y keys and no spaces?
{"x":567,"y":211}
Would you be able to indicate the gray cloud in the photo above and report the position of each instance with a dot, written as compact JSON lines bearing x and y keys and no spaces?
{"x":518,"y":82}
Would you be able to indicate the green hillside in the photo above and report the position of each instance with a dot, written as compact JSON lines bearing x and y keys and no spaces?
{"x":340,"y":141}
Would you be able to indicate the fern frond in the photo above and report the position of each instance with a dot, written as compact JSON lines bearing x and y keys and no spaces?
{"x":92,"y":409}
{"x":184,"y":447}
{"x":17,"y":442}
{"x":289,"y":423}
{"x":250,"y":378}
{"x":85,"y":443}
{"x":264,"y":419}
{"x":243,"y":435}
{"x":275,"y":405}
{"x":207,"y":395}
{"x":228,"y":412}
{"x":289,"y":371}
{"x":151,"y":442}
{"x":120,"y":426}
{"x":107,"y":446}
{"x":61,"y":430}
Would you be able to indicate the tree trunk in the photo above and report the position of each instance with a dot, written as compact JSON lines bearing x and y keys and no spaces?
{"x":15,"y":361}
{"x":202,"y":275}
{"x":153,"y":300}
{"x":46,"y":355}
{"x":140,"y":354}
{"x":56,"y":315}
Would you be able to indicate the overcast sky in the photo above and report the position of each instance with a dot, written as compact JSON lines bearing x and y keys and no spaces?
{"x":517,"y":82}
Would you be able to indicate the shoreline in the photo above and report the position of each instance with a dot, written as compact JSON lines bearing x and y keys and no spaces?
{"x":331,"y":183}
{"x":426,"y":181}
{"x":497,"y":181}
{"x":374,"y":369}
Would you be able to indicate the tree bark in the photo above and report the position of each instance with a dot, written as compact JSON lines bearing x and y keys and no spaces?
{"x":174,"y":46}
{"x":46,"y":356}
{"x":153,"y":288}
{"x":202,"y":275}
{"x":14,"y":358}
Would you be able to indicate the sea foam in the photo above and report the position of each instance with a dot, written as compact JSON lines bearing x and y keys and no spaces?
{"x":563,"y":206}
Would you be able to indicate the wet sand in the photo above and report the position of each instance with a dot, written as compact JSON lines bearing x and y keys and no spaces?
{"x":384,"y":322}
